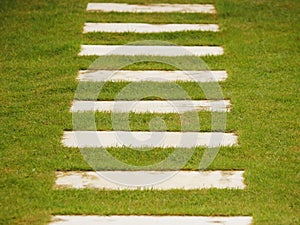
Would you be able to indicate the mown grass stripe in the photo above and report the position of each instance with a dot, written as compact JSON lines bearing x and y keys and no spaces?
{"x":150,"y":8}
{"x":157,"y":180}
{"x":130,"y":50}
{"x":151,"y":75}
{"x":147,"y":28}
{"x":139,"y":139}
{"x":155,"y":106}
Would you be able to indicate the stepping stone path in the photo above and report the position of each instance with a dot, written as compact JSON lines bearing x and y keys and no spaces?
{"x":150,"y":220}
{"x":172,"y":106}
{"x":146,"y":28}
{"x":154,"y":8}
{"x":176,"y":179}
{"x":186,"y":180}
{"x":139,"y":139}
{"x":151,"y":75}
{"x":131,"y":50}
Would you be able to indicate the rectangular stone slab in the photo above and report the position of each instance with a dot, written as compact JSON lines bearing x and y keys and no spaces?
{"x":157,"y":180}
{"x":140,"y":139}
{"x":147,"y":28}
{"x":150,"y":220}
{"x":131,"y":50}
{"x":171,"y":106}
{"x":151,"y":8}
{"x":151,"y":75}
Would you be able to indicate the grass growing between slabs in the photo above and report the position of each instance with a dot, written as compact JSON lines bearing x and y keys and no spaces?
{"x":40,"y":41}
{"x":110,"y":91}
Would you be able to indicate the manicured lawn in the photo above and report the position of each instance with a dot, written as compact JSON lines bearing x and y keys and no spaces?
{"x":40,"y":40}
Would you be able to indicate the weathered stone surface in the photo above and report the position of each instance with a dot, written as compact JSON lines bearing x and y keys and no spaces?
{"x":150,"y":220}
{"x":139,"y":139}
{"x":152,"y":75}
{"x":132,"y":180}
{"x":171,"y":106}
{"x":130,"y":50}
{"x":147,"y":28}
{"x":150,"y":8}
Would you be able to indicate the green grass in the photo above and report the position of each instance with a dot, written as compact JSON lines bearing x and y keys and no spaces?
{"x":40,"y":41}
{"x":153,"y":121}
{"x":148,"y":90}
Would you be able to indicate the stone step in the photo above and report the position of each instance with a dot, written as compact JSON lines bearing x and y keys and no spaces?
{"x":151,"y":8}
{"x":147,"y":28}
{"x":140,"y":139}
{"x":157,"y":180}
{"x":151,"y":75}
{"x":170,"y":106}
{"x":131,"y":50}
{"x":150,"y":220}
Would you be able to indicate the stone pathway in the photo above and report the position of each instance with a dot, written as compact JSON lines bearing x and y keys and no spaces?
{"x":187,"y":180}
{"x":147,"y":28}
{"x":151,"y":75}
{"x":150,"y":220}
{"x":154,"y":106}
{"x":140,"y":139}
{"x":151,"y":8}
{"x":176,"y":179}
{"x":131,"y":50}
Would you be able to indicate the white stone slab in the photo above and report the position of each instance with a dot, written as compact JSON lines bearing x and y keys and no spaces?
{"x":151,"y":75}
{"x":172,"y":106}
{"x":147,"y":28}
{"x":150,"y":220}
{"x":139,"y":139}
{"x":133,"y":180}
{"x":151,"y":8}
{"x":131,"y":50}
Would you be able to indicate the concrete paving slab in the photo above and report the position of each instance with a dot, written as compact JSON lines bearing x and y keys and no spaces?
{"x":140,"y":139}
{"x":130,"y":50}
{"x":147,"y":28}
{"x":150,"y":220}
{"x":172,"y":106}
{"x":152,"y":75}
{"x":151,"y":8}
{"x":133,"y":180}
